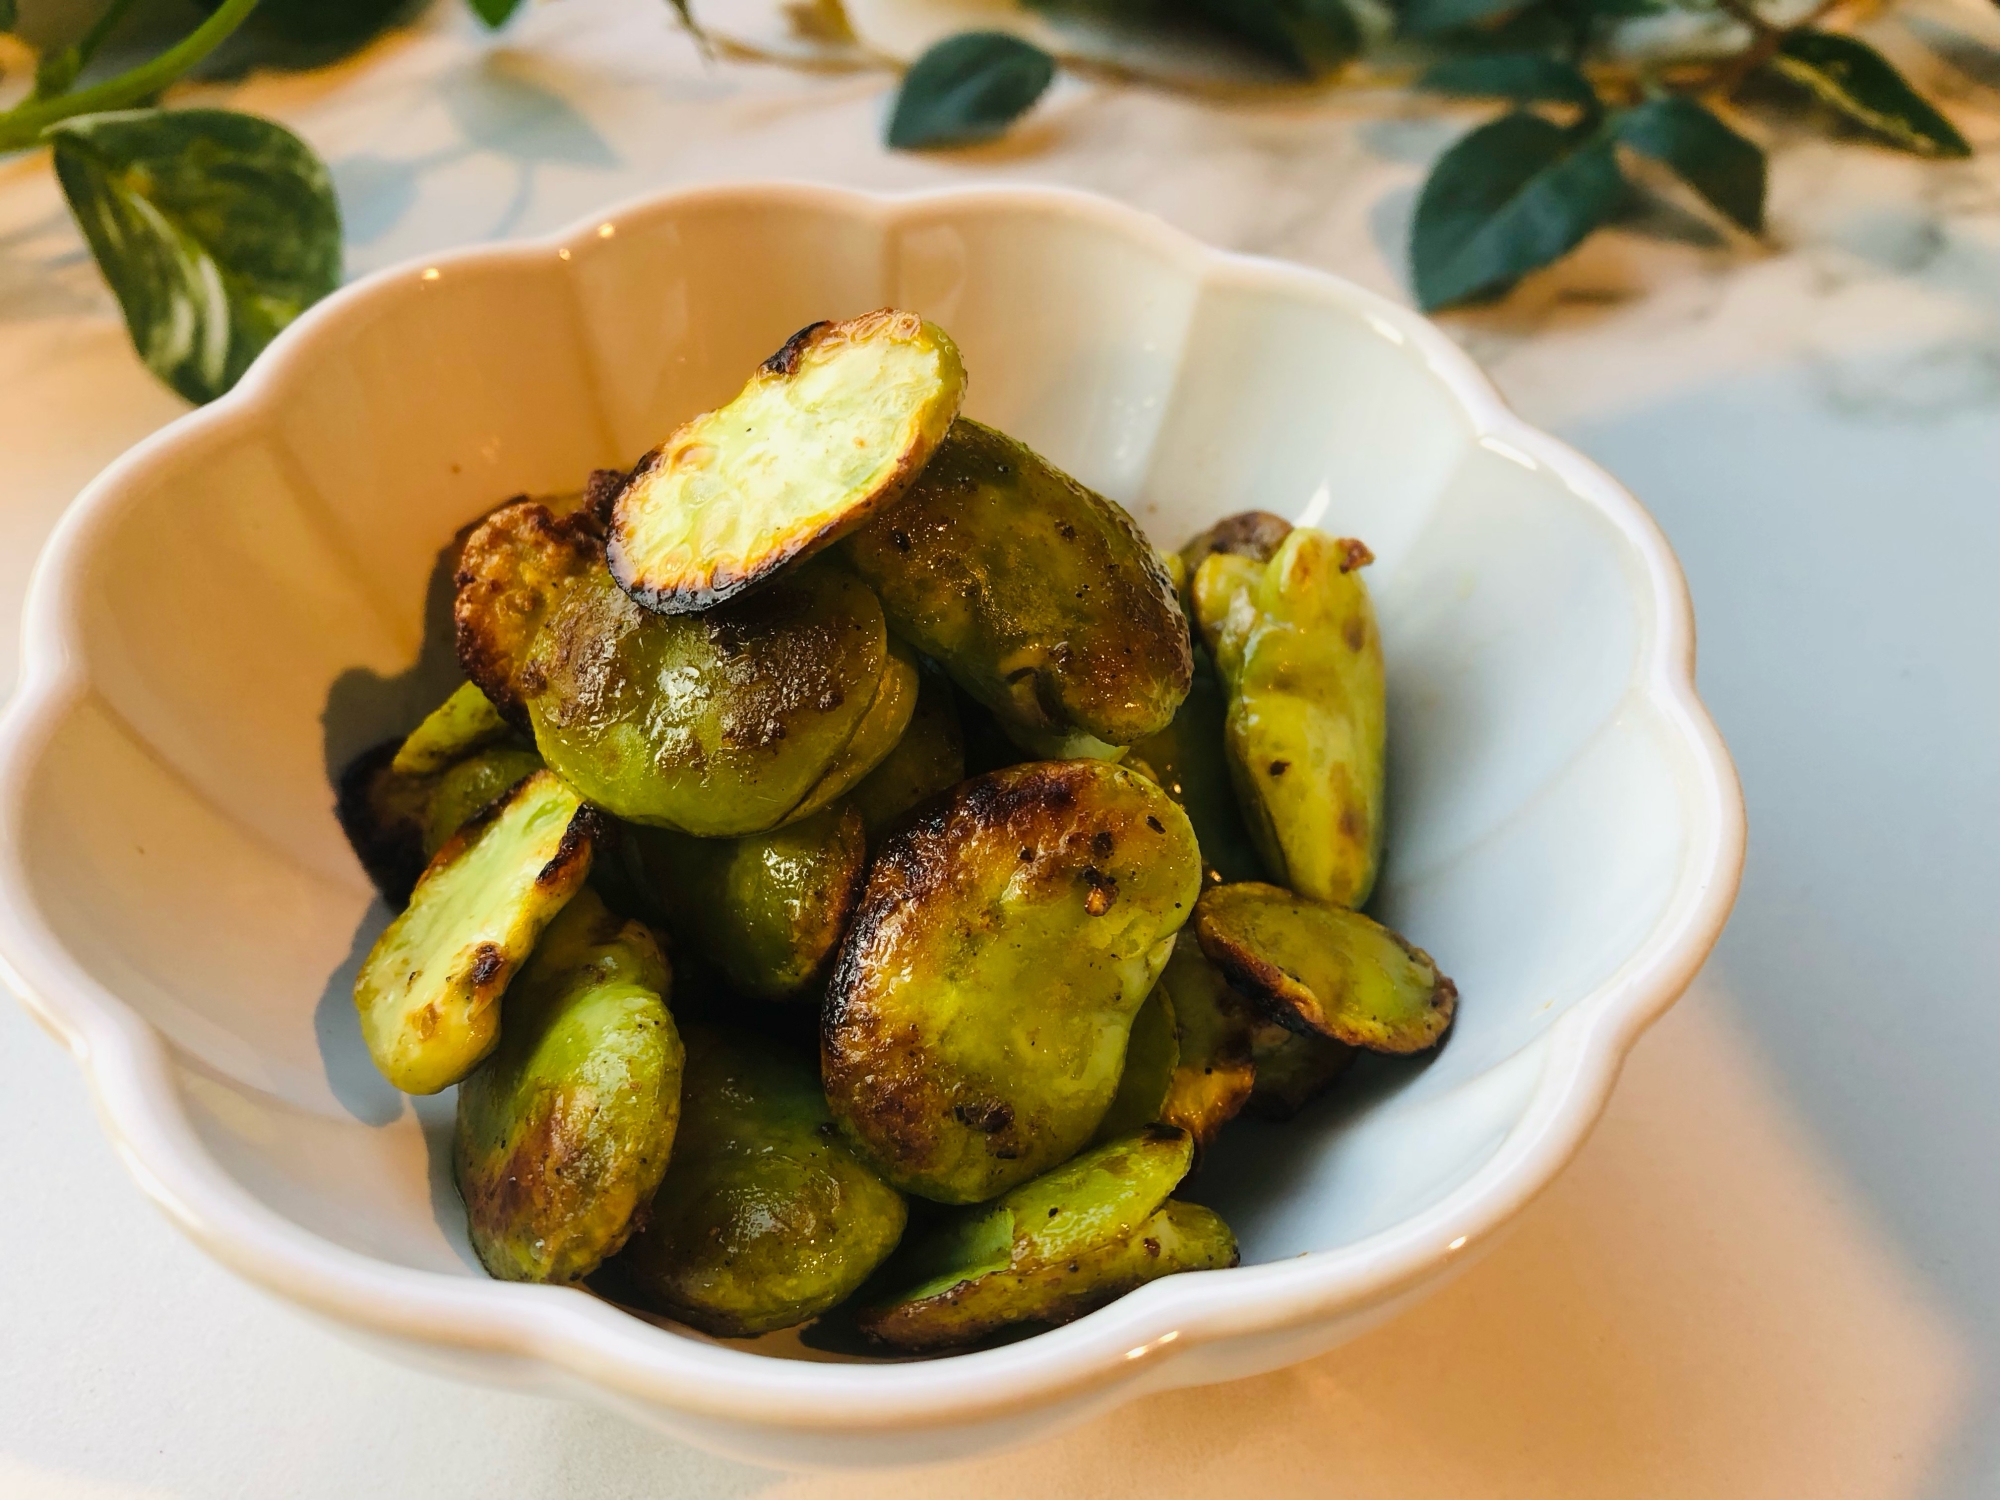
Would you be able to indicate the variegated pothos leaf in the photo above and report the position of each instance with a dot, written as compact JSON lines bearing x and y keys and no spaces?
{"x":214,"y":230}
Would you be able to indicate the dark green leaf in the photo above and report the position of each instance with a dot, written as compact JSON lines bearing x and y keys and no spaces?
{"x":214,"y":229}
{"x":969,"y":87}
{"x":1706,"y":154}
{"x":1526,"y":77}
{"x":1311,"y":38}
{"x":8,"y":15}
{"x":1511,"y":196}
{"x":1861,"y":83}
{"x":1626,"y":9}
{"x":1428,"y":17}
{"x":495,"y":13}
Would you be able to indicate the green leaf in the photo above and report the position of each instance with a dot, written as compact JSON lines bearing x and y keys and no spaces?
{"x":1862,"y":84}
{"x":495,"y":13}
{"x":969,"y":87}
{"x":1508,"y":198}
{"x":214,"y":229}
{"x":1525,"y":77}
{"x":1311,"y":38}
{"x":1428,"y":17}
{"x":1704,"y":153}
{"x":9,"y":14}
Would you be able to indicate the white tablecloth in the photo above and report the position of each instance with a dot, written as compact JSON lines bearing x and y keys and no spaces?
{"x":1772,"y":1271}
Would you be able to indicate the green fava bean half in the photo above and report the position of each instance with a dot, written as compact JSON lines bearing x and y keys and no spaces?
{"x":1038,"y":596}
{"x":1324,"y":970}
{"x":429,"y":992}
{"x":766,"y":1217}
{"x":1053,"y":1249}
{"x":718,"y":724}
{"x":975,"y":1023}
{"x":767,"y":909}
{"x":564,"y":1130}
{"x":1297,"y":649}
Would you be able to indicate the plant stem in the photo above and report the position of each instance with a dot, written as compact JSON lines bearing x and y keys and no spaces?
{"x":58,"y":70}
{"x":1766,"y":39}
{"x":23,"y":125}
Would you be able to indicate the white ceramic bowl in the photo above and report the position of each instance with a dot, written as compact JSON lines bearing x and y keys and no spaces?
{"x":238,"y":604}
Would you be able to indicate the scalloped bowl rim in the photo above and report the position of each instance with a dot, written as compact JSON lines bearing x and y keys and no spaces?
{"x":1123,"y":1349}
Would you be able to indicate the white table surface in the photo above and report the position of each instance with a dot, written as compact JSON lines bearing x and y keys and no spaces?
{"x":1772,"y":1272}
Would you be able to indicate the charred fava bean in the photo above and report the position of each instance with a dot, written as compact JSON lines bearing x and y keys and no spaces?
{"x":464,"y":722}
{"x":975,"y":1023}
{"x":1296,"y":646}
{"x":766,"y":1217}
{"x":767,"y":909}
{"x":429,"y":990}
{"x":831,"y":428}
{"x":1054,"y":1249}
{"x":1038,"y":596}
{"x":564,"y":1130}
{"x":1323,"y":969}
{"x":515,"y":566}
{"x":1214,"y":1072}
{"x":1255,"y":534}
{"x":928,"y":758}
{"x":717,"y":724}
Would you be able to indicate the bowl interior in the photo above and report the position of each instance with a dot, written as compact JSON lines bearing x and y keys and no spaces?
{"x":252,"y":608}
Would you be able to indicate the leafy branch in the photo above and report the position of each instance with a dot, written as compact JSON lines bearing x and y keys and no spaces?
{"x":1514,"y":194}
{"x":215,"y":229}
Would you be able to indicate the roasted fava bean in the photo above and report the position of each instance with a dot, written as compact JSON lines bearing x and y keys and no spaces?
{"x":766,"y":1217}
{"x":515,"y":567}
{"x":1214,"y":1072}
{"x":1055,"y":1248}
{"x":430,"y":988}
{"x":717,"y":724}
{"x":766,"y":909}
{"x":829,"y":430}
{"x":1038,"y":596}
{"x":1297,"y":649}
{"x":976,"y":1020}
{"x":1323,"y":969}
{"x":564,"y":1131}
{"x":464,"y":722}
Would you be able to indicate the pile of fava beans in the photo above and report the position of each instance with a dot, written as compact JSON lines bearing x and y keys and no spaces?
{"x":859,"y":871}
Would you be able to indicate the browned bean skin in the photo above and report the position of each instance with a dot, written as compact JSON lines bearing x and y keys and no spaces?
{"x":564,"y":1130}
{"x":1037,"y":595}
{"x":718,"y":724}
{"x":975,"y":1024}
{"x":515,"y":566}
